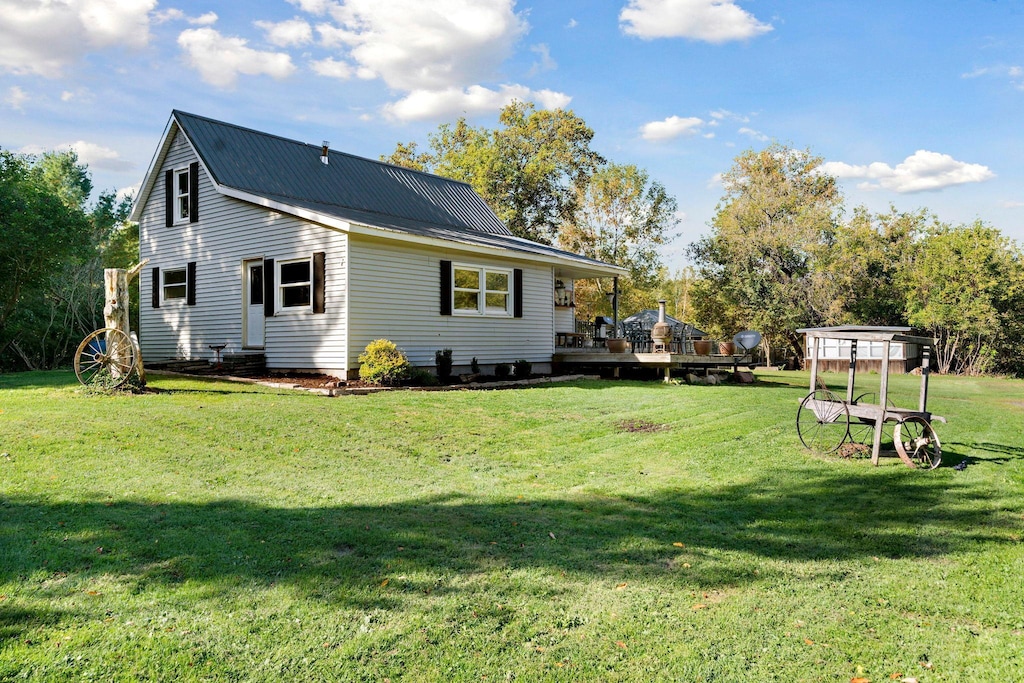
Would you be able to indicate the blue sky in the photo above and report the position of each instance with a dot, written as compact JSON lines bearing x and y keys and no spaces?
{"x":911,"y":104}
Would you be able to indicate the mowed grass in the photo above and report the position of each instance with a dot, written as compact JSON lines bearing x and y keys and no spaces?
{"x":215,"y":531}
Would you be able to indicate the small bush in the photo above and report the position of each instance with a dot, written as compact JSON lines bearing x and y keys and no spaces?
{"x":443,"y":361}
{"x":474,"y":367}
{"x":423,"y":378}
{"x":381,"y":362}
{"x":502,"y":370}
{"x":522,"y":368}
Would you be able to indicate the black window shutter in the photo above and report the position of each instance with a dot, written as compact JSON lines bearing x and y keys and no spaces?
{"x":156,"y":286}
{"x":318,"y":282}
{"x":191,"y":288}
{"x":169,"y":198}
{"x":446,"y":287}
{"x":517,"y":292}
{"x":268,"y":287}
{"x":193,"y":192}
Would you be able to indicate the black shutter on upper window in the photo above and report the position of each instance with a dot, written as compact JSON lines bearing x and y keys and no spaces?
{"x":517,"y":292}
{"x":169,"y":198}
{"x":446,"y":287}
{"x":268,"y":287}
{"x":156,"y":286}
{"x":190,"y":296}
{"x":193,"y":192}
{"x":318,"y":282}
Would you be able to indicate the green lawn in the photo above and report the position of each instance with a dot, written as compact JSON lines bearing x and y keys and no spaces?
{"x":215,"y":531}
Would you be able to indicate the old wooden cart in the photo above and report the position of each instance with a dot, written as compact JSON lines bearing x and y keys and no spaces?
{"x":826,"y":421}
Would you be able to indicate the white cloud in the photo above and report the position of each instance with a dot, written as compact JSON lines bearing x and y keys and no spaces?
{"x":755,"y":134}
{"x":43,"y":38}
{"x":476,"y":99}
{"x":220,"y":59}
{"x":545,"y":62}
{"x":288,"y":33}
{"x":332,"y":68}
{"x":16,"y":98}
{"x":713,"y":21}
{"x":415,"y":45}
{"x":670,"y":128}
{"x":715,"y":182}
{"x":572,"y":24}
{"x":921,"y":171}
{"x":98,"y":156}
{"x":317,"y":7}
{"x":725,"y":114}
{"x":1011,"y":204}
{"x":173,"y":14}
{"x":1015,"y":74}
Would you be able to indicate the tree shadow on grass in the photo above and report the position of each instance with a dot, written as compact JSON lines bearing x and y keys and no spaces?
{"x":341,"y":554}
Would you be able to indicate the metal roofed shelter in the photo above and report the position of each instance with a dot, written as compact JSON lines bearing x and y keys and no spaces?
{"x":827,"y":408}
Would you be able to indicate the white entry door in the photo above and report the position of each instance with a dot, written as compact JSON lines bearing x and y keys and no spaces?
{"x":252,"y":306}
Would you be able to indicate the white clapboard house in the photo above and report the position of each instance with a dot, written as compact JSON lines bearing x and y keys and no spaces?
{"x":264,"y":245}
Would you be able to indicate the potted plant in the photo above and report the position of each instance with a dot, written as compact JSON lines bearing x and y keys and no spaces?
{"x":725,"y":348}
{"x":702,"y":347}
{"x":616,"y":344}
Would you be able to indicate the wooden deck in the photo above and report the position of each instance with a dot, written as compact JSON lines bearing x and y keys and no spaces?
{"x":672,"y":361}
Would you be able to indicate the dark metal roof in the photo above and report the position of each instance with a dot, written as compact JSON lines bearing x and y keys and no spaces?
{"x":649,"y":316}
{"x":291,"y":171}
{"x":352,"y":188}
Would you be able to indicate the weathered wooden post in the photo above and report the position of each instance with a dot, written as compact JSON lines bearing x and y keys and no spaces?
{"x":115,"y":311}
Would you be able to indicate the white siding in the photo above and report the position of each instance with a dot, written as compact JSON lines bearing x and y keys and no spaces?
{"x":395,"y":294}
{"x":840,"y":349}
{"x":229,"y":231}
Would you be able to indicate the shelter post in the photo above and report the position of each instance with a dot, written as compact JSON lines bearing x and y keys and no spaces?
{"x":615,"y":305}
{"x":926,"y":352}
{"x":814,"y":361}
{"x":853,"y":371}
{"x":883,"y":397}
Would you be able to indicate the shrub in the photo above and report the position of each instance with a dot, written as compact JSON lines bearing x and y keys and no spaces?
{"x":381,"y":362}
{"x":522,"y":368}
{"x":502,"y":370}
{"x":443,"y":361}
{"x":423,"y":378}
{"x":474,"y":367}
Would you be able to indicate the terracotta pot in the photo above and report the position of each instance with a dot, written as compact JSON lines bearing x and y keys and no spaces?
{"x":702,"y":347}
{"x":725,"y":348}
{"x":615,"y":344}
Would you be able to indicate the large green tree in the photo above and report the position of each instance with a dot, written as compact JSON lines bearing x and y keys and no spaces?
{"x":527,"y":169}
{"x":777,"y":218}
{"x":961,"y":286}
{"x":53,"y":248}
{"x":622,"y":217}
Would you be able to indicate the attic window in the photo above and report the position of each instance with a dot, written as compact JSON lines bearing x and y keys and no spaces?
{"x":182,"y":195}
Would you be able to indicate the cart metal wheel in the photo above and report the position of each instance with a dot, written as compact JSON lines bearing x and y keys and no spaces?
{"x":917,"y":443}
{"x":106,"y":358}
{"x":823,"y":421}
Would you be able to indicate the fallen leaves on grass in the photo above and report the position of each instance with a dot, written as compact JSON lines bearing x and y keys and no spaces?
{"x":679,"y":545}
{"x":699,"y":605}
{"x":385,"y":582}
{"x":860,"y":679}
{"x":620,"y":586}
{"x":620,"y":644}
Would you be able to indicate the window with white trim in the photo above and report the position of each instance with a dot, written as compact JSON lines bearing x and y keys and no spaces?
{"x":481,"y":291}
{"x":295,"y":284}
{"x":175,"y":284}
{"x":181,"y":195}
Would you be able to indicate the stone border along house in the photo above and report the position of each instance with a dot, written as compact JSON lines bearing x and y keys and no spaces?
{"x":268,"y":246}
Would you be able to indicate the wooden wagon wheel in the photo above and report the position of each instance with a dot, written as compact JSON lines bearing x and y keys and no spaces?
{"x":106,"y":358}
{"x":822,"y":421}
{"x":862,"y":429}
{"x":917,"y":443}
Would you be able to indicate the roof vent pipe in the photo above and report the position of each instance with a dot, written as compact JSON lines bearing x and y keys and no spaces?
{"x":324,"y":159}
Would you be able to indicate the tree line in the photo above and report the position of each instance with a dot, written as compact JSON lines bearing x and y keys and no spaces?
{"x":54,"y":245}
{"x":781,"y":253}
